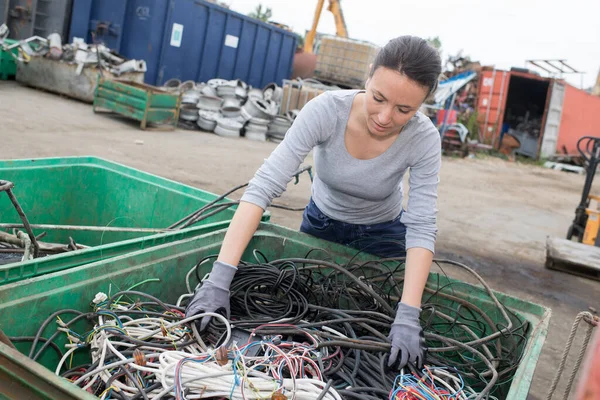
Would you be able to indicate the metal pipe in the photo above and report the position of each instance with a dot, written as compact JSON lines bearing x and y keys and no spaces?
{"x":12,"y":251}
{"x":85,"y":228}
{"x":6,"y":186}
{"x":11,"y":239}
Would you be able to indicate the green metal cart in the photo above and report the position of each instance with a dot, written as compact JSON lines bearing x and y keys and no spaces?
{"x":145,"y":103}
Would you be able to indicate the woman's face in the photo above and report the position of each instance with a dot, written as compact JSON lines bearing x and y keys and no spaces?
{"x":391,"y":101}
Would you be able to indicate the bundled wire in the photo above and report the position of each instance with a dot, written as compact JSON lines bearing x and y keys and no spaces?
{"x":434,"y":384}
{"x":351,"y":307}
{"x":310,"y":329}
{"x":149,"y":350}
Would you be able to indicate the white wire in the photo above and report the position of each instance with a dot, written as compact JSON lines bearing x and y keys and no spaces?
{"x":63,"y":359}
{"x":199,"y":380}
{"x":210,"y":379}
{"x":102,"y":357}
{"x":181,"y":298}
{"x":110,"y":366}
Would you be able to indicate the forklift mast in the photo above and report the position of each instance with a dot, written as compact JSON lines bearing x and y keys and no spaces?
{"x":589,"y":147}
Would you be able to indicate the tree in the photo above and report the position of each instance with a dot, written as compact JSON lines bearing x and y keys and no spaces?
{"x":435,"y":42}
{"x":261,"y":14}
{"x":300,"y":40}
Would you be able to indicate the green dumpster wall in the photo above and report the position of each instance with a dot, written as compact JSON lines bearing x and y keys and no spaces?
{"x":25,"y":305}
{"x":8,"y":65}
{"x":89,"y":191}
{"x":95,"y":192}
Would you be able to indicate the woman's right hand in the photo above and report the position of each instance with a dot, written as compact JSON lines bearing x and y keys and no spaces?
{"x":213,"y":294}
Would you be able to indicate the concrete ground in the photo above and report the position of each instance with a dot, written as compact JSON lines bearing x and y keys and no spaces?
{"x":493,"y":215}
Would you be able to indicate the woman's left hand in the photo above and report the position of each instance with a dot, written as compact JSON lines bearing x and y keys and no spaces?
{"x":406,"y":335}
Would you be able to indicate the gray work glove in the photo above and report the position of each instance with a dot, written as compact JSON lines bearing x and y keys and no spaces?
{"x":406,"y":335}
{"x":213,"y":294}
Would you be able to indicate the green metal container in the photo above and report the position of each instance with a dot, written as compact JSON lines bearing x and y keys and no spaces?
{"x":138,"y":101}
{"x":89,"y":191}
{"x":25,"y":305}
{"x":8,"y":65}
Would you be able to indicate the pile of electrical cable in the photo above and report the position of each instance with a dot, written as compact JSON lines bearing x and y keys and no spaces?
{"x":300,"y":328}
{"x":473,"y":349}
{"x":142,"y":348}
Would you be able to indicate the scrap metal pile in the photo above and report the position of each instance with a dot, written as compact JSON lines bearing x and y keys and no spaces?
{"x":300,"y":328}
{"x":24,"y":245}
{"x":80,"y":53}
{"x":233,"y":108}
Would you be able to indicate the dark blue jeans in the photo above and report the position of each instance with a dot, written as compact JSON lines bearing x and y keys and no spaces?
{"x":386,"y":239}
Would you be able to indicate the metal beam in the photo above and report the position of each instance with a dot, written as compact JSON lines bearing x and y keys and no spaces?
{"x":85,"y":228}
{"x":554,"y":66}
{"x":568,"y":66}
{"x":539,"y":66}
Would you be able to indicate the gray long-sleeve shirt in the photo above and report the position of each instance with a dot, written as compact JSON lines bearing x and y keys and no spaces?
{"x":352,"y":190}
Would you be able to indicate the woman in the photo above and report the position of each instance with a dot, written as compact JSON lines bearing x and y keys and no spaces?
{"x":363,"y":141}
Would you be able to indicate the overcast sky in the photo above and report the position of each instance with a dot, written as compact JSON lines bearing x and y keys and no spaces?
{"x":503,"y":33}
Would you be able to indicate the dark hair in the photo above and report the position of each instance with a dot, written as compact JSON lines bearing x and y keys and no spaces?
{"x":412,"y":57}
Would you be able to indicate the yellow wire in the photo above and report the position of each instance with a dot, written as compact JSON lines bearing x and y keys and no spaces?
{"x":70,"y":341}
{"x":106,"y":391}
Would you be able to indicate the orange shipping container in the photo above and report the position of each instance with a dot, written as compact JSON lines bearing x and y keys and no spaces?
{"x":547,"y":116}
{"x":580,"y":117}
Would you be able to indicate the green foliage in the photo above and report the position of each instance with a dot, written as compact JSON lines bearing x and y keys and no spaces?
{"x":260,"y":13}
{"x":300,"y":40}
{"x":435,"y":42}
{"x":469,"y":120}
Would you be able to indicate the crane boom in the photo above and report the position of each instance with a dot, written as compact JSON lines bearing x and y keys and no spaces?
{"x":340,"y":24}
{"x":310,"y":36}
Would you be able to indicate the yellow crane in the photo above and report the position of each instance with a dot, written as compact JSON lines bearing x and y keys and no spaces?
{"x":340,"y":24}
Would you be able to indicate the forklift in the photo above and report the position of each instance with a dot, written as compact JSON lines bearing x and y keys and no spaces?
{"x":581,"y":257}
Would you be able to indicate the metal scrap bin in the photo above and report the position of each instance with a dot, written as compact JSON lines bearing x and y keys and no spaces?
{"x":25,"y":305}
{"x":63,"y":78}
{"x":89,"y":191}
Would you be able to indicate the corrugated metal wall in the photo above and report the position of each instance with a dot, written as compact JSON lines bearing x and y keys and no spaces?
{"x":491,"y":103}
{"x":216,"y":42}
{"x":188,"y":40}
{"x":26,"y":18}
{"x":580,"y":117}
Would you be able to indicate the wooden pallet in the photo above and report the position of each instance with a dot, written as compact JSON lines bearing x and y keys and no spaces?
{"x":573,"y":257}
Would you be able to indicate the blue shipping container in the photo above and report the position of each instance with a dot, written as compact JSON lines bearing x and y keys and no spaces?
{"x":187,"y":39}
